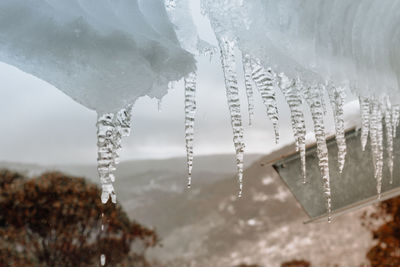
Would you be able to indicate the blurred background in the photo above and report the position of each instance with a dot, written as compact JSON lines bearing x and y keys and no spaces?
{"x":50,"y":209}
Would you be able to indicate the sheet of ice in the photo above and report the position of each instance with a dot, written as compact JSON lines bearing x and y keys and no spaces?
{"x":104,"y":54}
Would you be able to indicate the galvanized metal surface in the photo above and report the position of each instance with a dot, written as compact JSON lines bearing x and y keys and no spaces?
{"x":354,"y":188}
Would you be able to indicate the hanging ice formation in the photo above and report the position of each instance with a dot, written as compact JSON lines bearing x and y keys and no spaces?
{"x":395,"y":119}
{"x":111,"y":127}
{"x":314,"y":100}
{"x":337,"y":97}
{"x":264,"y":80}
{"x":190,"y":112}
{"x":246,"y":62}
{"x":358,"y":47}
{"x":102,"y":259}
{"x":389,"y":137}
{"x":365,"y":111}
{"x":375,"y":112}
{"x":376,"y":137}
{"x":291,"y":91}
{"x":232,"y":93}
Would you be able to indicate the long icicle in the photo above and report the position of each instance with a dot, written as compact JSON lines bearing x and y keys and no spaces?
{"x":264,"y":80}
{"x":395,"y":119}
{"x":292,"y":95}
{"x":246,"y":62}
{"x":110,"y":130}
{"x":376,"y":136}
{"x":389,"y":137}
{"x":232,"y":93}
{"x":314,"y":101}
{"x":190,"y":112}
{"x":380,"y":150}
{"x":337,"y":97}
{"x":365,"y":120}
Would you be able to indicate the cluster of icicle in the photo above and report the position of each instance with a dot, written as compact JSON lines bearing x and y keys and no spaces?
{"x":375,"y":114}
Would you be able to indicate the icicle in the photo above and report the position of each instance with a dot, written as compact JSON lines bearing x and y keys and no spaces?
{"x":102,"y":259}
{"x":110,"y":130}
{"x":190,"y":112}
{"x":365,"y":119}
{"x":159,"y":105}
{"x":313,"y":98}
{"x":337,"y":97}
{"x":395,"y":119}
{"x":376,"y":136}
{"x":232,"y":93}
{"x":246,"y":61}
{"x":292,"y":95}
{"x":264,"y":80}
{"x":389,"y":137}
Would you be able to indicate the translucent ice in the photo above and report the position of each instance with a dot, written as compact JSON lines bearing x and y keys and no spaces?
{"x":190,"y":112}
{"x":389,"y":137}
{"x":111,"y":127}
{"x":313,"y":98}
{"x":232,"y":93}
{"x":264,"y":80}
{"x":365,"y":120}
{"x":376,"y":136}
{"x":246,"y":62}
{"x":292,"y":92}
{"x":104,"y":54}
{"x":337,"y":99}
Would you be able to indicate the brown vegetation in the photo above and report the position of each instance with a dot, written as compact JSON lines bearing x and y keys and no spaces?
{"x":55,"y":220}
{"x":385,"y":226}
{"x":296,"y":263}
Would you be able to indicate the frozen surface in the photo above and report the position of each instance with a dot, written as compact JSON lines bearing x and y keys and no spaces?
{"x":104,"y":54}
{"x":350,"y":42}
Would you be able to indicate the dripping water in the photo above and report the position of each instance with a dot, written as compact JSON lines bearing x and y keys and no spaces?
{"x":190,"y":112}
{"x":102,"y":259}
{"x":111,"y":127}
